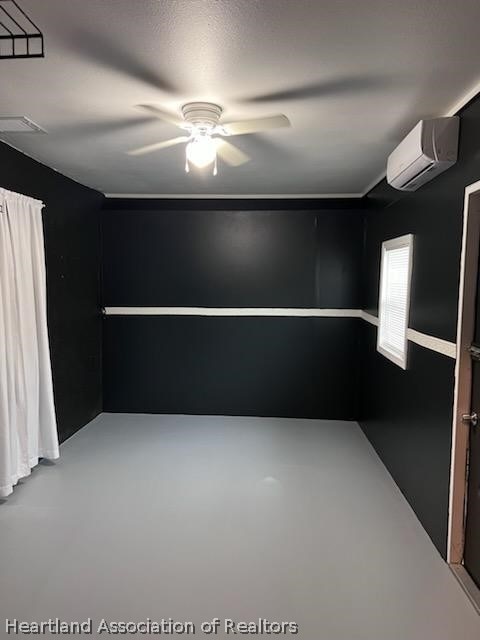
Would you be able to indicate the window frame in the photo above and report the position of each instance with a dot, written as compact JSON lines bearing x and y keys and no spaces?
{"x":400,"y":242}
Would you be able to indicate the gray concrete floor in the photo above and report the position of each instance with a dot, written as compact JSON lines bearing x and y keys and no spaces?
{"x":242,"y":518}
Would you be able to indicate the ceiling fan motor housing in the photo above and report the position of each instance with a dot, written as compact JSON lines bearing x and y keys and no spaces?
{"x":202,"y":115}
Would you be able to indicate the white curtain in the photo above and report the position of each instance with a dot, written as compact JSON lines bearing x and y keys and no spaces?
{"x":28,"y":429}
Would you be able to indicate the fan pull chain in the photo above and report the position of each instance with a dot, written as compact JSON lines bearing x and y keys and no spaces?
{"x":215,"y":166}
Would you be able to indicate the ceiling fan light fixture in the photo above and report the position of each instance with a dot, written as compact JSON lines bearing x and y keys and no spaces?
{"x":205,"y":135}
{"x":201,"y":151}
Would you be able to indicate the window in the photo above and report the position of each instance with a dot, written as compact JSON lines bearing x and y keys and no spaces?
{"x":394,"y":299}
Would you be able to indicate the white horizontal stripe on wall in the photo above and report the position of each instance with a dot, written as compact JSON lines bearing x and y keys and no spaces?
{"x":369,"y":318}
{"x":228,"y":311}
{"x":439,"y":345}
{"x":435,"y":344}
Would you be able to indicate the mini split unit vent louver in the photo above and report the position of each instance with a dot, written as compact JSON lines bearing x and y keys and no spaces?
{"x":428,"y":150}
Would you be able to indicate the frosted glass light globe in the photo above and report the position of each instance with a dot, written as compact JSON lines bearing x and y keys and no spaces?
{"x":201,"y":151}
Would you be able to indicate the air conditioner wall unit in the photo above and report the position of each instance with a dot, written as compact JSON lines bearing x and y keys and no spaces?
{"x":430,"y":148}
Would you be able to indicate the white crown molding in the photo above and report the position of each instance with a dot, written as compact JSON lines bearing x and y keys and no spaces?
{"x":35,"y":159}
{"x":465,"y":99}
{"x":232,"y":196}
{"x":371,"y":185}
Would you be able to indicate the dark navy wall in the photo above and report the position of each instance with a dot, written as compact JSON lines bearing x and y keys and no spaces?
{"x":234,"y":254}
{"x":291,"y":367}
{"x":408,"y":415}
{"x":71,"y":222}
{"x":249,"y":257}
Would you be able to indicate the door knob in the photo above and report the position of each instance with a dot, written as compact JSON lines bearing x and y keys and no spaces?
{"x":470,"y":419}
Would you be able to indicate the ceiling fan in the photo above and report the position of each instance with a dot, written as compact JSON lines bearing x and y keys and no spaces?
{"x":204,"y":134}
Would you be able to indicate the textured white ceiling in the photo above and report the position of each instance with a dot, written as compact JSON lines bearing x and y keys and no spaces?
{"x":353,"y":77}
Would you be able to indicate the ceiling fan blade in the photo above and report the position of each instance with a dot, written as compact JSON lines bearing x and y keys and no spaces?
{"x":97,"y":129}
{"x":114,"y":55}
{"x":256,"y":125}
{"x":166,"y":116}
{"x":347,"y":85}
{"x":149,"y":148}
{"x":230,"y":153}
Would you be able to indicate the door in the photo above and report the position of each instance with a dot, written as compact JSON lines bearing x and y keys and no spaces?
{"x":472,"y":524}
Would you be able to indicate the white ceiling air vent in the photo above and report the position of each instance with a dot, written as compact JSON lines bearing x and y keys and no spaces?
{"x":19,"y":124}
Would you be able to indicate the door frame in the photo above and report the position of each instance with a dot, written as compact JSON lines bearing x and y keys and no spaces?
{"x":462,"y":393}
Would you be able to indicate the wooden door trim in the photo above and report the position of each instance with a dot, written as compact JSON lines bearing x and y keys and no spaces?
{"x":463,"y":374}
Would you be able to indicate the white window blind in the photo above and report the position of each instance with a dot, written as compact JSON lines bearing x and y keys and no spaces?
{"x":394,"y":299}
